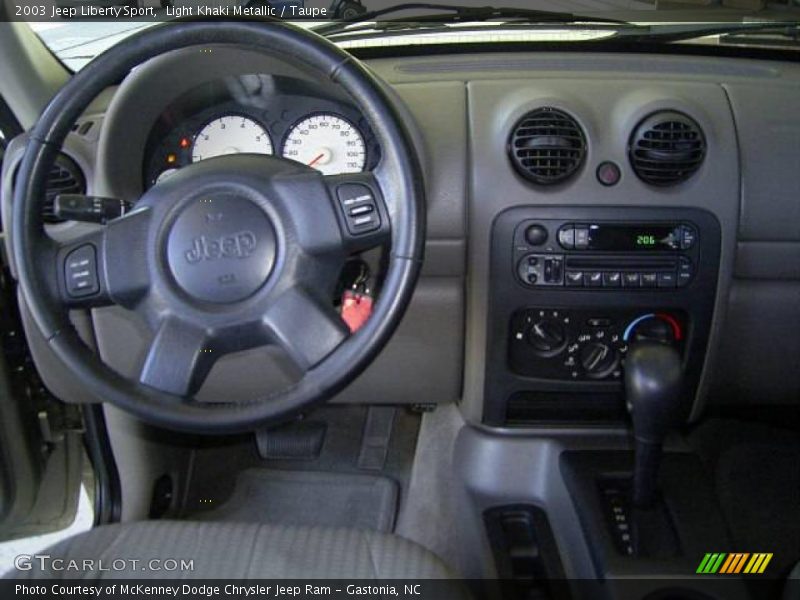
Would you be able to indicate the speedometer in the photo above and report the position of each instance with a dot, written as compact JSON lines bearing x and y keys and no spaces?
{"x":231,"y":134}
{"x":328,"y":143}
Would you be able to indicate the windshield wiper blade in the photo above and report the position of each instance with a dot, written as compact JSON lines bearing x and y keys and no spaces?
{"x":454,"y":14}
{"x":684,"y":32}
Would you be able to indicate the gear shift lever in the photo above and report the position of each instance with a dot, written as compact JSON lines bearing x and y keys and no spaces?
{"x":652,"y":387}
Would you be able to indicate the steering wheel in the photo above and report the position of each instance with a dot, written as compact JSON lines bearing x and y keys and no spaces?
{"x":230,"y":253}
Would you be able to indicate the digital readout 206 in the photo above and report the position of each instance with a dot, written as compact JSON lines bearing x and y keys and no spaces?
{"x":645,"y":240}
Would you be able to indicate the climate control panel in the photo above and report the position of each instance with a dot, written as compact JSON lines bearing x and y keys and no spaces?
{"x":573,"y":344}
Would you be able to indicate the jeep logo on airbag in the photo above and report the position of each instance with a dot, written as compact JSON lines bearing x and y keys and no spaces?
{"x":225,"y":258}
{"x":238,"y":245}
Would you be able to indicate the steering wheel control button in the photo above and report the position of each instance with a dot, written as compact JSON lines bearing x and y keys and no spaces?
{"x":359,"y":207}
{"x":221,"y":249}
{"x":536,"y":235}
{"x":80,"y":272}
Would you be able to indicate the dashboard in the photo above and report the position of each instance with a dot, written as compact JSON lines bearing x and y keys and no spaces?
{"x":261,"y":114}
{"x":739,"y":191}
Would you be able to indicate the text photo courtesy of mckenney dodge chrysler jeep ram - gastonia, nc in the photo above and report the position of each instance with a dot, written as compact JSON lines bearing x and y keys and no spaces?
{"x":365,"y":299}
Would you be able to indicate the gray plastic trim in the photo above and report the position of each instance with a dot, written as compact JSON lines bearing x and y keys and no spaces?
{"x":768,"y":260}
{"x":607,"y":114}
{"x":768,"y":129}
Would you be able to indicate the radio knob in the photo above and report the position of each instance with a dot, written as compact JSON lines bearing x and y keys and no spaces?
{"x":598,"y":360}
{"x":536,"y":235}
{"x":548,"y":337}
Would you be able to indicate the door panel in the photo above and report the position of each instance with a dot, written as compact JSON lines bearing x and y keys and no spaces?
{"x":41,"y":446}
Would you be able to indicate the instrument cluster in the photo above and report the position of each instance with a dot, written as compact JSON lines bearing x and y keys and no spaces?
{"x":322,"y":133}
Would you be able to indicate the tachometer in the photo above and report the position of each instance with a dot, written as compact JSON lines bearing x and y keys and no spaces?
{"x":328,"y":143}
{"x":231,"y":134}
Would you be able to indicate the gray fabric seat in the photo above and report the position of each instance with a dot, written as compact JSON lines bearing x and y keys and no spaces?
{"x":228,"y":550}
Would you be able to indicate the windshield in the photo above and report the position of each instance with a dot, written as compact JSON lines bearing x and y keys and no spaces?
{"x":78,"y":30}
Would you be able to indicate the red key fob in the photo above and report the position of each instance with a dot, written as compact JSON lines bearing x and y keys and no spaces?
{"x":356,"y":309}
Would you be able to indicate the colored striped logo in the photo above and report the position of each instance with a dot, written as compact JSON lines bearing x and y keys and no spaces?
{"x":734,"y":563}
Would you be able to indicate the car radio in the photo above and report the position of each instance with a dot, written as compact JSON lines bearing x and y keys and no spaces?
{"x":605,"y":255}
{"x":571,"y":288}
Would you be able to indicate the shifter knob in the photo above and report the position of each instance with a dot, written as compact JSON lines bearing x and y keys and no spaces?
{"x":653,"y":382}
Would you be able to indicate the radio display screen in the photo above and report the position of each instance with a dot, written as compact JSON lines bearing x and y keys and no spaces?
{"x":627,"y":238}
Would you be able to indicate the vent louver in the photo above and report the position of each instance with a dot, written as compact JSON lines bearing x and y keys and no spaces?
{"x":65,"y":177}
{"x":667,"y":148}
{"x":547,"y":146}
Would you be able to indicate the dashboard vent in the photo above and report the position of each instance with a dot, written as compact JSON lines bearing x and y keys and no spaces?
{"x":667,"y":148}
{"x":547,"y":146}
{"x":65,"y":177}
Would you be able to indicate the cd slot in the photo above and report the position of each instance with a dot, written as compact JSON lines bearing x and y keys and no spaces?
{"x":621,"y":263}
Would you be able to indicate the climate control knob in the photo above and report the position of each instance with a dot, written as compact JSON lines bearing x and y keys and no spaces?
{"x":598,"y":360}
{"x":548,"y":337}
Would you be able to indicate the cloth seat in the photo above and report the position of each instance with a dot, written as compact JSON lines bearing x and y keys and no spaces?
{"x":227,"y":550}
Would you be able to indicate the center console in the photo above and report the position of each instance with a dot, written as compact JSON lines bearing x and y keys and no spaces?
{"x":572,"y":288}
{"x":596,"y":312}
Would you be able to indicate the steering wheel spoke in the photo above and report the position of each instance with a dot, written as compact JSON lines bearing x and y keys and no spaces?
{"x":361,"y":211}
{"x":104,"y":266}
{"x":180,"y":358}
{"x":306,"y":328}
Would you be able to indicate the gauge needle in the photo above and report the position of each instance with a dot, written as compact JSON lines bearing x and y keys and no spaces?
{"x":317,"y":159}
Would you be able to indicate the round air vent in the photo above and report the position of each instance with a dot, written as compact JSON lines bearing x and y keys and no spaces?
{"x":666,"y":148}
{"x":65,"y":177}
{"x":547,"y":146}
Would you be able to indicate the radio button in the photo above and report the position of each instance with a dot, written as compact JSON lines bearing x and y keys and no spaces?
{"x":612,"y":280}
{"x":581,"y":238}
{"x":688,"y":237}
{"x":685,"y":272}
{"x":649,"y":279}
{"x":566,"y":237}
{"x":631,"y":279}
{"x":666,"y":280}
{"x":552,"y":270}
{"x":528,"y":269}
{"x":593,"y":279}
{"x":574,"y":278}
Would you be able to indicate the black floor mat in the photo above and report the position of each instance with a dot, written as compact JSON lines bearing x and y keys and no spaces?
{"x":217,"y":462}
{"x":757,"y":478}
{"x":310,"y":498}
